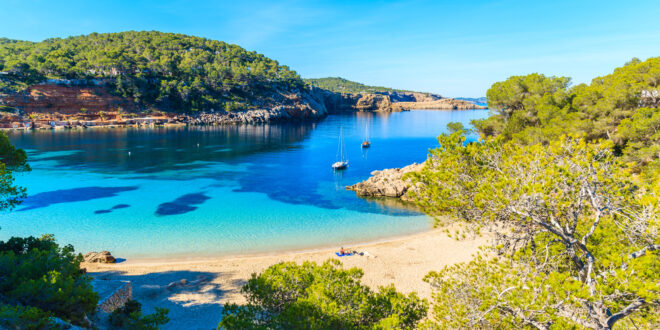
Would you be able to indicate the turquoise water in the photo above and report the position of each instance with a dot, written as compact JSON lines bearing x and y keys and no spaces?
{"x":207,"y":191}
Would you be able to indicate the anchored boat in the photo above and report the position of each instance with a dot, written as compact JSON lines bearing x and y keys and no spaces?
{"x":341,"y":164}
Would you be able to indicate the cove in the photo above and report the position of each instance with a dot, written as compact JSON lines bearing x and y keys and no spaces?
{"x":188,"y":192}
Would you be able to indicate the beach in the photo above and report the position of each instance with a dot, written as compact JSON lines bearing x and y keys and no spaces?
{"x":211,"y":283}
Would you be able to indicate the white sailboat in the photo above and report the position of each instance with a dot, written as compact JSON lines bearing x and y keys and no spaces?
{"x":341,"y":164}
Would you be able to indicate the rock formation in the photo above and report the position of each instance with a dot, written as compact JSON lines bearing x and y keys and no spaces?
{"x":387,"y":183}
{"x":103,"y":257}
{"x":388,"y":101}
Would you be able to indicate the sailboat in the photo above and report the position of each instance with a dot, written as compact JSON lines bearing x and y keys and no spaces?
{"x":366,"y":143}
{"x":341,"y":164}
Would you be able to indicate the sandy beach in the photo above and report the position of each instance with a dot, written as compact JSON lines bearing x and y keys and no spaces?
{"x":211,"y":283}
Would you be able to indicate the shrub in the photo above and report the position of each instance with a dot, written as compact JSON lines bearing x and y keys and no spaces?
{"x":130,"y":317}
{"x":309,"y":296}
{"x":39,"y":278}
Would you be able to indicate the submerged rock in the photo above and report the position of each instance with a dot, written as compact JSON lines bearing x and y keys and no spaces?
{"x":387,"y":183}
{"x":103,"y":257}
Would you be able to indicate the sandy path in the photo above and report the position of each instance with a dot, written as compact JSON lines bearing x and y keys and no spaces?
{"x":403,"y":262}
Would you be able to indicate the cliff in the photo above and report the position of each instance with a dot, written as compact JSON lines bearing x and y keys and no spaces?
{"x":389,"y":101}
{"x":47,"y":98}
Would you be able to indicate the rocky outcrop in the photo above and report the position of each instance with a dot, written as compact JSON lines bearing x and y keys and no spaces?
{"x":292,"y":107}
{"x":389,"y":101}
{"x":442,"y":104}
{"x":103,"y":257}
{"x":387,"y":183}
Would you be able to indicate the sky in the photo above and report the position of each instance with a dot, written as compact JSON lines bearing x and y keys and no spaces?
{"x":454,"y":48}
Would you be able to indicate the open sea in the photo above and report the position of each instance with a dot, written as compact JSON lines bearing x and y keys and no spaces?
{"x":195,"y":192}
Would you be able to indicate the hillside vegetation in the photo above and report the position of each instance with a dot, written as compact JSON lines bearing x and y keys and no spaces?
{"x":341,"y":85}
{"x":573,"y":175}
{"x":165,"y":70}
{"x":622,"y":107}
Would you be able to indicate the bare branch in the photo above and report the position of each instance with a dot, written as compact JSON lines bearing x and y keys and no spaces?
{"x":642,"y":252}
{"x":631,"y":308}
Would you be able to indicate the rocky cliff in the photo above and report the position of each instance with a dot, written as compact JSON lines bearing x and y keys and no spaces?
{"x":389,"y":101}
{"x":45,"y":98}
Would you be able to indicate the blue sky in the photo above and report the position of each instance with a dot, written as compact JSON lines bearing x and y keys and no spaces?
{"x":455,"y":48}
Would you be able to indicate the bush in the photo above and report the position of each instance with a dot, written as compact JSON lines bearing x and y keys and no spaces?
{"x":21,"y":317}
{"x":309,"y":296}
{"x":130,"y":317}
{"x":38,"y":279}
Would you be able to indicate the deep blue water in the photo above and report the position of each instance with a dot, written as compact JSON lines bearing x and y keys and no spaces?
{"x":202,"y":191}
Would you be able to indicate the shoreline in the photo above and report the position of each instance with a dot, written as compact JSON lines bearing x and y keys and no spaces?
{"x":176,"y":259}
{"x":182,"y":120}
{"x":214,"y":282}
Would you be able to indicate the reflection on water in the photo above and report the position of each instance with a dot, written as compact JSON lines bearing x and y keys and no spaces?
{"x":152,"y":150}
{"x":220,"y":189}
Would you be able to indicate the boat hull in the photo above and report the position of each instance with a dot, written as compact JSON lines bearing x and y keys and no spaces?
{"x":340,"y":165}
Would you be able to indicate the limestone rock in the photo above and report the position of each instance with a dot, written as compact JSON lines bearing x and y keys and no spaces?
{"x":387,"y":183}
{"x":103,"y":257}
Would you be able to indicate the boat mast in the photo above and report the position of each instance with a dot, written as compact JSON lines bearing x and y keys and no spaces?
{"x":341,"y":144}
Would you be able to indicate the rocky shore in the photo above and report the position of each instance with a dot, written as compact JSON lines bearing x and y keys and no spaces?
{"x":47,"y":106}
{"x":388,"y":183}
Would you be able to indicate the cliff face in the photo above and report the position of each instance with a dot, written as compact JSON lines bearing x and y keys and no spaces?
{"x":68,"y":100}
{"x":388,"y":101}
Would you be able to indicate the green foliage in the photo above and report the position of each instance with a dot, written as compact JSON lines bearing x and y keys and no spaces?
{"x":162,"y":70}
{"x":534,"y":108}
{"x":130,"y":317}
{"x":341,"y":85}
{"x":309,"y":296}
{"x":21,"y":317}
{"x":455,"y":127}
{"x":10,"y":159}
{"x":522,"y":102}
{"x":577,"y":237}
{"x":38,"y":273}
{"x":641,"y":137}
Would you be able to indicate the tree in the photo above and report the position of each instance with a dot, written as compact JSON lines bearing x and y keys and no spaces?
{"x":641,"y":136}
{"x":163,"y":70}
{"x":11,"y":159}
{"x":522,"y":103}
{"x":577,"y":239}
{"x":130,"y":316}
{"x":40,"y":279}
{"x":311,"y":296}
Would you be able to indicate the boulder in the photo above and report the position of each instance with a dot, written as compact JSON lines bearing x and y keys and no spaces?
{"x":387,"y":183}
{"x":103,"y":257}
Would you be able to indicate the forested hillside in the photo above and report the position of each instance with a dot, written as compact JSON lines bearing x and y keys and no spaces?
{"x":341,"y":85}
{"x":164,"y":70}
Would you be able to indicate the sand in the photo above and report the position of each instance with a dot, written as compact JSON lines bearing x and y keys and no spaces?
{"x":214,"y":282}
